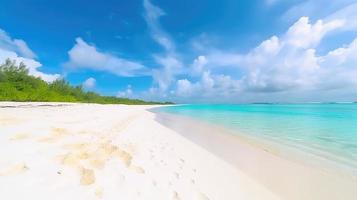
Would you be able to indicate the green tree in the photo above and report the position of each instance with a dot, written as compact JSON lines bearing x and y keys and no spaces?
{"x":17,"y":85}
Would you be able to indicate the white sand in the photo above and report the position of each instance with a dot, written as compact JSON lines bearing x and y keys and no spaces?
{"x":82,"y":151}
{"x":291,"y":174}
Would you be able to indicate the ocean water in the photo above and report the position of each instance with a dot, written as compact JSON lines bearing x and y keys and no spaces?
{"x":327,"y":130}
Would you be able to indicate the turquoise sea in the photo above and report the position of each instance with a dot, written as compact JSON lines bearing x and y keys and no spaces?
{"x":329,"y":130}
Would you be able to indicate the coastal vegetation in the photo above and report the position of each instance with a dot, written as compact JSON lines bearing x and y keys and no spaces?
{"x":17,"y":85}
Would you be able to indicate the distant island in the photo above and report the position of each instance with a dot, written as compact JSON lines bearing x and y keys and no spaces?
{"x":17,"y":85}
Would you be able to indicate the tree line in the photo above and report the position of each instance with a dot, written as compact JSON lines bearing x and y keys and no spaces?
{"x":17,"y":85}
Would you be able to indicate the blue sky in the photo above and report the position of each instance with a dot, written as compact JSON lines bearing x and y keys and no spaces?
{"x":210,"y":51}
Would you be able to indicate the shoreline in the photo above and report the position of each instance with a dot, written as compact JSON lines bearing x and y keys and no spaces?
{"x":92,"y":151}
{"x":278,"y":169}
{"x":310,"y":157}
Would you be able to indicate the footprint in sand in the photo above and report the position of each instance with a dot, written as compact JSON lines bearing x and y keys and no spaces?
{"x":16,"y":169}
{"x":137,"y":169}
{"x":200,"y":196}
{"x":20,"y":136}
{"x":98,"y":192}
{"x":57,"y":134}
{"x":87,"y":176}
{"x":124,"y":156}
{"x":89,"y":156}
{"x":95,"y":154}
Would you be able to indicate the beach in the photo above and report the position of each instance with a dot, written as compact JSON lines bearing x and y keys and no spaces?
{"x":178,"y":100}
{"x":91,"y":151}
{"x":288,"y":173}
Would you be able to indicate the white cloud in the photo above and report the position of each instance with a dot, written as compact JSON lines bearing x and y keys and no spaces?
{"x":338,"y":67}
{"x":89,"y":83}
{"x":277,"y":68}
{"x":85,"y":56}
{"x":348,"y":14}
{"x":15,"y":45}
{"x":278,"y":64}
{"x":303,"y":34}
{"x":152,"y":15}
{"x":317,"y":9}
{"x":287,"y":67}
{"x":16,"y":49}
{"x":164,"y":76}
{"x":291,"y":62}
{"x":198,"y":65}
{"x":169,"y":61}
{"x":270,"y":2}
{"x":127,"y":93}
{"x":184,"y":87}
{"x":31,"y":65}
{"x":208,"y":88}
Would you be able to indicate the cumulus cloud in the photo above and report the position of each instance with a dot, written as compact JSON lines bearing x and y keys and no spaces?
{"x":338,"y":67}
{"x":86,"y":56}
{"x":127,"y":93}
{"x":285,"y":62}
{"x":164,"y":76}
{"x":289,"y":62}
{"x":16,"y":49}
{"x":89,"y":83}
{"x":303,"y":34}
{"x":31,"y":64}
{"x":184,"y":87}
{"x":199,"y":64}
{"x":15,"y":45}
{"x":282,"y":67}
{"x":279,"y":66}
{"x":207,"y":88}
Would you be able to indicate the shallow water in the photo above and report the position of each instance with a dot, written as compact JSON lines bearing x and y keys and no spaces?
{"x":327,"y":130}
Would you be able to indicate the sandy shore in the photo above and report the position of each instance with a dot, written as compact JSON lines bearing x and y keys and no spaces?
{"x":284,"y":171}
{"x":88,"y":151}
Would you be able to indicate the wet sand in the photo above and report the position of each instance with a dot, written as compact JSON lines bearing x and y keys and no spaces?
{"x":284,"y":171}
